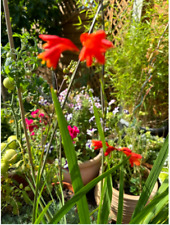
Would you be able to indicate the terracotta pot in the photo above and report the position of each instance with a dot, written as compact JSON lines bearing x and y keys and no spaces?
{"x":65,"y":185}
{"x":89,"y":170}
{"x":129,"y":202}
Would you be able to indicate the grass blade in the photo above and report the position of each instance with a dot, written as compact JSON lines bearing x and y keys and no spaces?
{"x":72,"y":161}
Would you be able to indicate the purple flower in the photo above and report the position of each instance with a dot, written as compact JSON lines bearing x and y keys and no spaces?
{"x":88,"y":144}
{"x":46,"y":146}
{"x":66,"y":165}
{"x":126,"y":111}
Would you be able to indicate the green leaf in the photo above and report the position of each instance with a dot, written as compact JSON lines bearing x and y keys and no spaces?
{"x":161,"y":205}
{"x":150,"y":207}
{"x":72,"y":161}
{"x":120,"y":205}
{"x":106,"y":189}
{"x":38,"y":220}
{"x":38,"y":200}
{"x":152,"y":178}
{"x":162,"y":216}
{"x":105,"y":208}
{"x":81,"y":192}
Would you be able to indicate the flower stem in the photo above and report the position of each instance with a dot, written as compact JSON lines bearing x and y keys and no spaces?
{"x":69,"y":87}
{"x":13,"y":112}
{"x":25,"y":130}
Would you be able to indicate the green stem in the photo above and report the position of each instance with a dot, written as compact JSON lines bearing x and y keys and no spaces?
{"x":13,"y":112}
{"x":25,"y":130}
{"x":70,"y":85}
{"x":11,"y":42}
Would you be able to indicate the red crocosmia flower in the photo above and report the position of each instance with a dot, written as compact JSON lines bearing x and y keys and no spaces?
{"x":109,"y":149}
{"x":98,"y":144}
{"x":54,"y":47}
{"x":94,"y":45}
{"x":125,"y":149}
{"x":134,"y":157}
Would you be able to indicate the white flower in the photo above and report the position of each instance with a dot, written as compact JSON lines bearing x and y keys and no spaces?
{"x":116,"y":110}
{"x":91,"y":131}
{"x":112,"y":101}
{"x":91,"y":119}
{"x":69,"y":116}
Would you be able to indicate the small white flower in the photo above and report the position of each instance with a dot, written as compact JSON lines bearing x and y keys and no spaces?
{"x":106,"y":128}
{"x":116,"y":110}
{"x":69,"y":116}
{"x":91,"y":131}
{"x":112,"y":101}
{"x":91,"y":119}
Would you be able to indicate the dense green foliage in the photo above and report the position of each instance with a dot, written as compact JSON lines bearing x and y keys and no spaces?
{"x":35,"y":16}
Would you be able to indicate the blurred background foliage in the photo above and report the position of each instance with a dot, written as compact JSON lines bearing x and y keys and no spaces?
{"x":35,"y":16}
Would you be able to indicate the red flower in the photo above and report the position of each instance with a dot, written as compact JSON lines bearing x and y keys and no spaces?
{"x":134,"y":157}
{"x":98,"y":144}
{"x":94,"y":45}
{"x":109,"y":149}
{"x":55,"y":46}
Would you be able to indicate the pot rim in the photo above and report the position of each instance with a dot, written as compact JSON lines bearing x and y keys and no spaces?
{"x":135,"y":197}
{"x":90,"y":162}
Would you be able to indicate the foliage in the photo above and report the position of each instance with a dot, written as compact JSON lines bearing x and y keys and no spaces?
{"x":6,"y":120}
{"x":141,"y":143}
{"x":139,"y":67}
{"x":33,"y":16}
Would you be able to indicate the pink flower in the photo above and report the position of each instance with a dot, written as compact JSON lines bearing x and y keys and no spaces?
{"x":34,"y":113}
{"x":41,"y":115}
{"x":28,"y":122}
{"x":29,"y":126}
{"x":73,"y":131}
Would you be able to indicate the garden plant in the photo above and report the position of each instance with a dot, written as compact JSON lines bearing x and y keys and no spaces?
{"x":46,"y":131}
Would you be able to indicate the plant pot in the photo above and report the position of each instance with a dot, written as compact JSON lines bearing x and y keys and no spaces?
{"x":89,"y":170}
{"x":129,"y":201}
